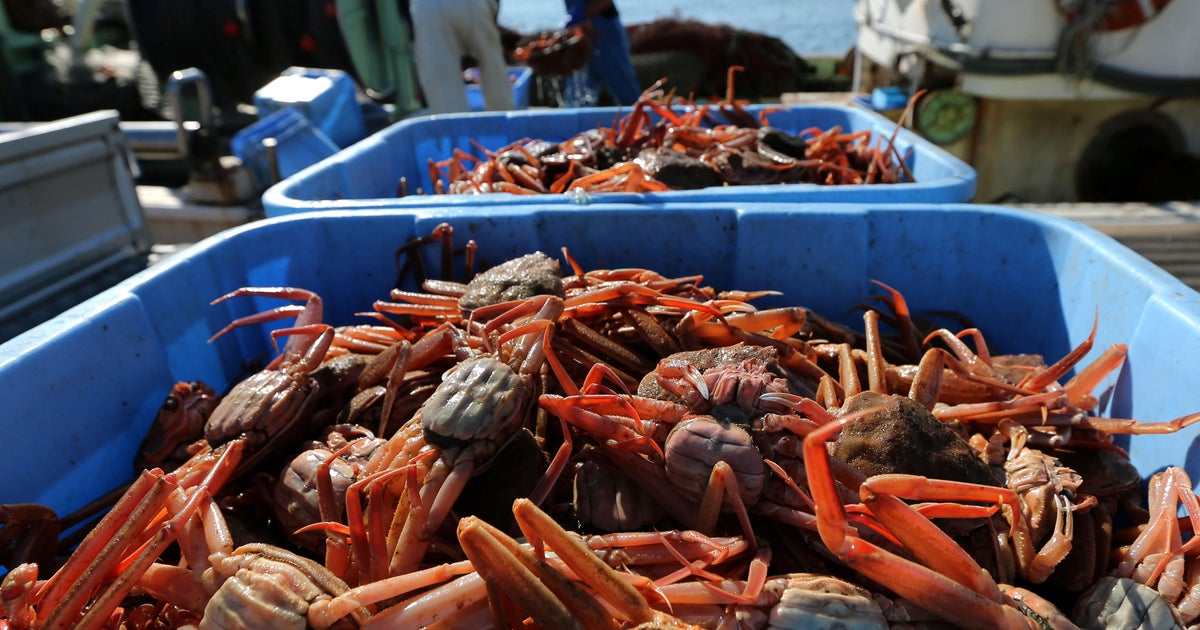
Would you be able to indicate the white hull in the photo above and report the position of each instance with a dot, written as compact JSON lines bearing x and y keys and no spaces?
{"x":1009,"y":48}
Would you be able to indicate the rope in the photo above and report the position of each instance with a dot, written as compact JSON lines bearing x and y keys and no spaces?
{"x":1076,"y":51}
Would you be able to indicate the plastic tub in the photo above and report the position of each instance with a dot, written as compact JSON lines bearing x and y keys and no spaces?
{"x":520,"y":79}
{"x":367,"y":174}
{"x":326,"y":97}
{"x":80,"y":391}
{"x":298,"y":144}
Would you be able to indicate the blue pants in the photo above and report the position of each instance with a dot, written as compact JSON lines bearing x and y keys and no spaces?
{"x":611,"y":64}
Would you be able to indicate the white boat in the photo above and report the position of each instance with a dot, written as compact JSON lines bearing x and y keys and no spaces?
{"x":1050,"y":100}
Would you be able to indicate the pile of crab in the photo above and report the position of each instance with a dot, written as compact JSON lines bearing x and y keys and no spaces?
{"x":616,"y":448}
{"x":664,"y":143}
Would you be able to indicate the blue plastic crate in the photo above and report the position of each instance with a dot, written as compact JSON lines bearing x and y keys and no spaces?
{"x":298,"y":144}
{"x":328,"y":99}
{"x":520,"y":78}
{"x":367,"y":174}
{"x":80,"y":391}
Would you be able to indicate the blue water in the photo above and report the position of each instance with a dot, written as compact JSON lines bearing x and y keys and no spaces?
{"x":807,"y":26}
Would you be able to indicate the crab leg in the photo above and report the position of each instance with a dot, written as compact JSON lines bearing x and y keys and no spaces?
{"x":876,"y":364}
{"x":636,"y":294}
{"x":104,"y":605}
{"x":722,"y":483}
{"x":609,"y":418}
{"x":455,"y":600}
{"x":979,"y":607}
{"x":899,"y":306}
{"x":102,"y":553}
{"x":325,"y":613}
{"x":549,"y":597}
{"x":539,"y":527}
{"x":65,"y":595}
{"x":879,"y":494}
{"x":311,"y":313}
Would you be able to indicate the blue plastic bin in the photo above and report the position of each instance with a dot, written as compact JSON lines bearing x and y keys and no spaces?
{"x":520,"y":79}
{"x":888,"y":98}
{"x":298,"y":144}
{"x":367,"y":174}
{"x":80,"y":391}
{"x":326,"y":97}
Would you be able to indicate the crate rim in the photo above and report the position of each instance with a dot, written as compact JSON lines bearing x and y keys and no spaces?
{"x":1175,"y":294}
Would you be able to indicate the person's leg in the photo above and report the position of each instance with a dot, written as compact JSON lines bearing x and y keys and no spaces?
{"x":612,"y":63}
{"x":480,"y":37}
{"x":438,"y":55}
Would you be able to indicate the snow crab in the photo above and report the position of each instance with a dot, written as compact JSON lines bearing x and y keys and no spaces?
{"x":477,"y":410}
{"x":664,"y":143}
{"x":943,"y":578}
{"x":178,"y":423}
{"x":1159,"y":557}
{"x":707,"y":453}
{"x":88,"y":589}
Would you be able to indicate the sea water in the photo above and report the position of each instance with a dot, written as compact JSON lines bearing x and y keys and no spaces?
{"x":808,"y":27}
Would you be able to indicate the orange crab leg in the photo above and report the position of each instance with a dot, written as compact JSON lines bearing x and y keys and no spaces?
{"x":996,"y":410}
{"x":536,"y":588}
{"x":557,"y":465}
{"x":336,"y":553}
{"x":981,"y":347}
{"x":594,"y":180}
{"x":435,"y":175}
{"x":65,"y":593}
{"x":925,"y":587}
{"x":1079,"y":388}
{"x":539,"y":527}
{"x":535,"y":347}
{"x":637,"y":294}
{"x":102,"y":554}
{"x":587,"y":412}
{"x":722,"y":482}
{"x":976,"y":363}
{"x":324,"y":613}
{"x":572,"y":173}
{"x":431,"y":498}
{"x":1040,"y":380}
{"x":442,"y":302}
{"x":920,"y":488}
{"x":927,"y":384}
{"x":367,"y":546}
{"x":310,"y":313}
{"x":848,"y":371}
{"x":908,"y":331}
{"x":1158,"y":535}
{"x":633,"y":124}
{"x":1187,"y":497}
{"x":101,"y":609}
{"x":876,"y":364}
{"x":650,"y":548}
{"x":1130,"y":426}
{"x":783,"y":322}
{"x":908,"y":110}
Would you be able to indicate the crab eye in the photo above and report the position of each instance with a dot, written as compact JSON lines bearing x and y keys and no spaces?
{"x":171,"y":403}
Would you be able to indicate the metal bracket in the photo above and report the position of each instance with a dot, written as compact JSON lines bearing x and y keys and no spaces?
{"x":213,"y":178}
